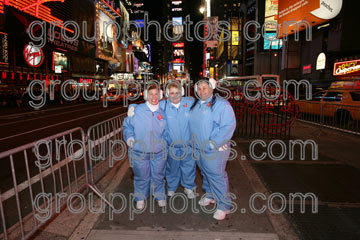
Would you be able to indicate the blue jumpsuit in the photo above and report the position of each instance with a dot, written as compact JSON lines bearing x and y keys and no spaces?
{"x":148,"y":156}
{"x":180,"y":167}
{"x":216,"y":123}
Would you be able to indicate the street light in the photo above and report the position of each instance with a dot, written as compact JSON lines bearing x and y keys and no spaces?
{"x":202,"y":10}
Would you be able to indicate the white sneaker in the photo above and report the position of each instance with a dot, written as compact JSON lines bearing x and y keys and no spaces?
{"x":140,"y":204}
{"x":171,"y":193}
{"x":162,"y":203}
{"x":206,"y":201}
{"x":220,"y":214}
{"x":190,"y":193}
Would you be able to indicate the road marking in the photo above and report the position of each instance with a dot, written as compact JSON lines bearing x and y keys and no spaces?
{"x":17,"y":115}
{"x":55,"y":114}
{"x":57,"y":124}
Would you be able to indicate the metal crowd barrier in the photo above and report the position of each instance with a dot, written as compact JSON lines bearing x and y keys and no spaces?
{"x":263,"y":118}
{"x":50,"y":166}
{"x":105,"y":146}
{"x":341,"y":117}
{"x":72,"y":168}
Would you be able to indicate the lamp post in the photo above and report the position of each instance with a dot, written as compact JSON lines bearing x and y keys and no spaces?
{"x":202,"y":10}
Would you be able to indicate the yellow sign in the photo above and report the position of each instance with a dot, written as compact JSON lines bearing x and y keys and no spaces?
{"x":220,"y":48}
{"x":212,"y":72}
{"x":235,"y":38}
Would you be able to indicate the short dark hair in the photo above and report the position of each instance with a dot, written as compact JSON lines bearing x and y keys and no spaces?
{"x":152,"y":86}
{"x":174,"y":85}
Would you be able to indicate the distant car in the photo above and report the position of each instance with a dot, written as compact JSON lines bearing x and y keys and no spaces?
{"x":342,"y":104}
{"x":133,"y":92}
{"x":116,"y":96}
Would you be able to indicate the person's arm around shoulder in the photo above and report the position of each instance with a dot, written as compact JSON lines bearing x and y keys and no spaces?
{"x":131,"y":110}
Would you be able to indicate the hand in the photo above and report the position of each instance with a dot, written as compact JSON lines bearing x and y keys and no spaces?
{"x":130,"y":142}
{"x":131,"y":111}
{"x":223,"y":148}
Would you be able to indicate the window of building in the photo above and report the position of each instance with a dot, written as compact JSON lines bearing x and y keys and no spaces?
{"x":333,"y":97}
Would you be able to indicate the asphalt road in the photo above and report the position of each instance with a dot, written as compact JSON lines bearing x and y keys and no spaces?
{"x":22,"y":128}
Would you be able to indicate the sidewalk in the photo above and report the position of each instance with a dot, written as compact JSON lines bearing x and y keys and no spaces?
{"x":242,"y":224}
{"x":331,"y":179}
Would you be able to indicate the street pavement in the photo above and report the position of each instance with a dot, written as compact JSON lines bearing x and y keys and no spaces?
{"x":21,"y":128}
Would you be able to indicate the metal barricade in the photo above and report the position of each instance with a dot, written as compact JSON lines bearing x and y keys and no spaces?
{"x":105,"y":140}
{"x":262,"y":117}
{"x":39,"y":172}
{"x":345,"y":118}
{"x":56,"y":166}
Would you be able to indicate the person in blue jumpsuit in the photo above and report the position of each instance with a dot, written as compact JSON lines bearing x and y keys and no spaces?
{"x":180,"y":167}
{"x":212,"y":125}
{"x":145,"y":133}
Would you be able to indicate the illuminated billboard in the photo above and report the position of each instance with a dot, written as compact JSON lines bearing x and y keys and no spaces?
{"x":178,"y":27}
{"x":271,"y":14}
{"x":106,"y":49}
{"x":176,"y":2}
{"x":179,"y":52}
{"x":347,"y":68}
{"x":178,"y":45}
{"x":235,"y":39}
{"x":274,"y":44}
{"x":315,"y":12}
{"x":60,"y":60}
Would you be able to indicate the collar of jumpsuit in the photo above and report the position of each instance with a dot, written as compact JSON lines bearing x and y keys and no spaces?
{"x":207,"y":100}
{"x":176,"y":105}
{"x":153,"y":108}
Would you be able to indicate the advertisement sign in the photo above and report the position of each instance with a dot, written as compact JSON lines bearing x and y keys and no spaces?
{"x":60,"y":60}
{"x":34,"y":56}
{"x":213,"y":42}
{"x":106,"y":48}
{"x":274,"y":44}
{"x":271,"y":14}
{"x":221,"y":45}
{"x":306,"y":69}
{"x":315,"y":12}
{"x":4,"y":48}
{"x":57,"y":69}
{"x":212,"y":72}
{"x":235,"y":39}
{"x":179,"y":67}
{"x":178,"y":52}
{"x":178,"y":45}
{"x":347,"y":68}
{"x":321,"y":61}
{"x":140,"y":22}
{"x":178,"y":27}
{"x":35,"y":8}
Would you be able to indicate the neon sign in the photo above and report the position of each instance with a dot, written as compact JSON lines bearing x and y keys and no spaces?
{"x":347,"y":68}
{"x":34,"y":8}
{"x":34,"y":56}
